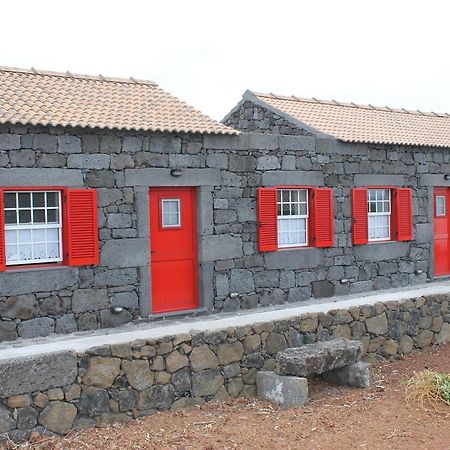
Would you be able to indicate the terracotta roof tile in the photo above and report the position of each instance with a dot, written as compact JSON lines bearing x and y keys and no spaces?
{"x":349,"y":122}
{"x":64,"y":99}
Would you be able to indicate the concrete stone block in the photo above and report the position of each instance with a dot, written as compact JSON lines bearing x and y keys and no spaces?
{"x":41,"y":177}
{"x":379,"y":180}
{"x":42,"y":326}
{"x":9,"y":141}
{"x":118,"y":253}
{"x":89,"y":300}
{"x":286,"y":391}
{"x":45,"y":142}
{"x":84,"y":161}
{"x":305,"y":258}
{"x":69,"y":144}
{"x":302,"y":143}
{"x":37,"y":373}
{"x":127,"y":300}
{"x":381,"y":251}
{"x":355,"y":375}
{"x":220,"y":247}
{"x":162,"y":177}
{"x":22,"y":158}
{"x":294,"y":177}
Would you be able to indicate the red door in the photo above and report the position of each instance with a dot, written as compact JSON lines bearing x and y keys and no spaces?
{"x":173,"y":245}
{"x":441,"y":232}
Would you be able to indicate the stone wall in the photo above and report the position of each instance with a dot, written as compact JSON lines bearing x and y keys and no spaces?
{"x":226,"y":170}
{"x":248,"y":116}
{"x":116,"y":383}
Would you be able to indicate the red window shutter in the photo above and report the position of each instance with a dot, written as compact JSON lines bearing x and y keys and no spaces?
{"x":360,"y":216}
{"x":322,"y":216}
{"x":267,"y":219}
{"x":2,"y":234}
{"x":403,"y":218}
{"x":81,"y":227}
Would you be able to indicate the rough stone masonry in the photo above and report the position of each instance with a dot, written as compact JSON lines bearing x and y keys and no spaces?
{"x":56,"y":392}
{"x":226,"y":170}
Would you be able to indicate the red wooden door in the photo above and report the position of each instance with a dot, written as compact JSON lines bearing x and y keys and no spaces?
{"x":173,"y":245}
{"x":441,"y":232}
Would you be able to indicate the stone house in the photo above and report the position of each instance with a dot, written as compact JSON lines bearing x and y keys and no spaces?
{"x":119,"y":202}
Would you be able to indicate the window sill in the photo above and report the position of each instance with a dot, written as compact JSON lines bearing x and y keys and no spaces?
{"x":32,"y":268}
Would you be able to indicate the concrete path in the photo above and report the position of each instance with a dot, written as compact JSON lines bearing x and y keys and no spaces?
{"x":146,"y":330}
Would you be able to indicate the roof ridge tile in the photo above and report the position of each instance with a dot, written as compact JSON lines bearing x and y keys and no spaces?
{"x":350,"y":104}
{"x":68,"y":74}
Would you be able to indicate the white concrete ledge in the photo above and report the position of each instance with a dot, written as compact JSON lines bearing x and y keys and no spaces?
{"x":80,"y":342}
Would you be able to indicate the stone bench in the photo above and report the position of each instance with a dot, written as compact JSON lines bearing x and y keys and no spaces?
{"x":336,"y":361}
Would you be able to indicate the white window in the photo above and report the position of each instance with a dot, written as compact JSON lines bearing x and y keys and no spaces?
{"x":440,"y":206}
{"x":292,"y":217}
{"x":379,"y":207}
{"x":171,"y":216}
{"x":33,"y":227}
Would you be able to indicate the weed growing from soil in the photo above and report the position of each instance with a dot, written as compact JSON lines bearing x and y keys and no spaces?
{"x":429,"y":388}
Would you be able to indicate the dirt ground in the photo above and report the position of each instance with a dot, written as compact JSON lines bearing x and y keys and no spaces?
{"x":335,"y":418}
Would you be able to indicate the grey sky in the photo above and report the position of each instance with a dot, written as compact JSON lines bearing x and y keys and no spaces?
{"x":208,"y":53}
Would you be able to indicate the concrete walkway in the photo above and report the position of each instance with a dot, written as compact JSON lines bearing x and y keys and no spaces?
{"x":146,"y":330}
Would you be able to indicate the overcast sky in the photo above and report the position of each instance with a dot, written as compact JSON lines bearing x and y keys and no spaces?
{"x":208,"y":53}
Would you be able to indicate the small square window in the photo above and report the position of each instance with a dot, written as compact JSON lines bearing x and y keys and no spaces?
{"x":171,"y":214}
{"x":440,"y":206}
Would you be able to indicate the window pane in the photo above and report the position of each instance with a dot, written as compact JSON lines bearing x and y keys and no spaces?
{"x":11,"y":253}
{"x":24,"y":200}
{"x":10,"y":237}
{"x":25,"y":216}
{"x":291,"y":232}
{"x":11,"y":217}
{"x":294,"y":196}
{"x":372,"y":207}
{"x":52,"y":199}
{"x":25,"y":252}
{"x":39,"y":235}
{"x":52,"y":216}
{"x":53,"y":251}
{"x":302,"y":195}
{"x":279,"y":196}
{"x":170,"y":213}
{"x":303,"y":209}
{"x":294,"y":209}
{"x":285,"y":196}
{"x":372,"y":194}
{"x":286,"y":209}
{"x":38,"y":199}
{"x":24,"y":236}
{"x":39,"y":251}
{"x":39,"y":216}
{"x":10,"y":200}
{"x":440,"y":205}
{"x":52,"y":234}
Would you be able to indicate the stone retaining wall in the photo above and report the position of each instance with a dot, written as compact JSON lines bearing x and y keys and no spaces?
{"x":116,"y":383}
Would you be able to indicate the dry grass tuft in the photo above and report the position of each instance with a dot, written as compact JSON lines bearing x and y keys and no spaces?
{"x":429,"y":389}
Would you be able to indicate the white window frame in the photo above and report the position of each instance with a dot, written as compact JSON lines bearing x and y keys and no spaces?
{"x":31,"y":226}
{"x":444,"y":204}
{"x":379,"y":213}
{"x":293,"y":216}
{"x":166,"y":200}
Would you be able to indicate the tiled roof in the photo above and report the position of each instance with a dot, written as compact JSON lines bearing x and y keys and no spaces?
{"x":349,"y":122}
{"x":50,"y":98}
